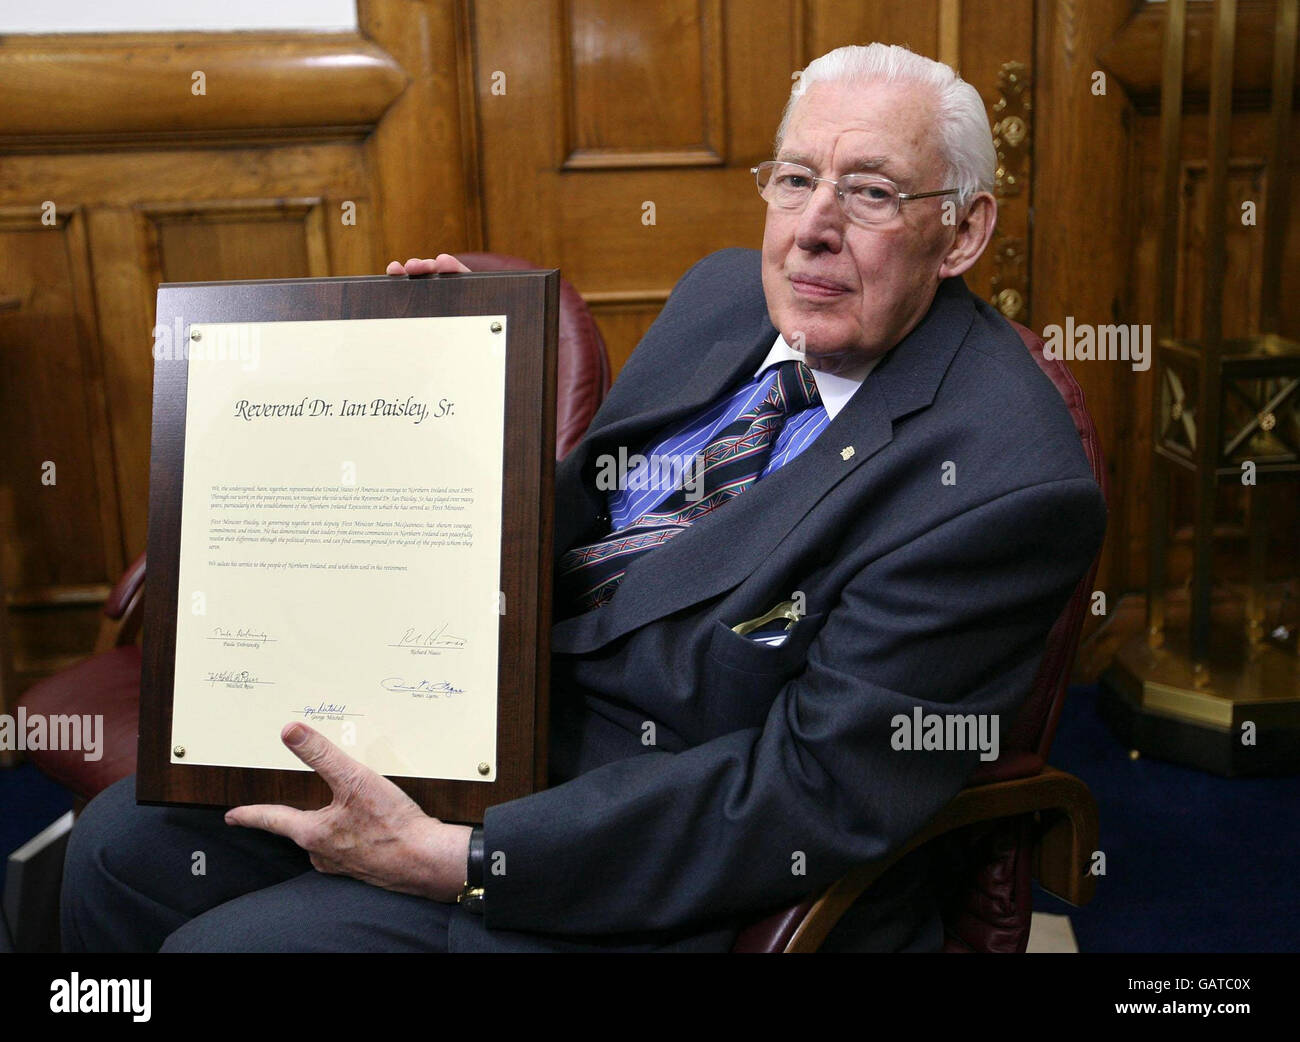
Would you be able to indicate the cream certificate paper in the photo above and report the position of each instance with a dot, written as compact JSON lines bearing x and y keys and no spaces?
{"x":341,"y":543}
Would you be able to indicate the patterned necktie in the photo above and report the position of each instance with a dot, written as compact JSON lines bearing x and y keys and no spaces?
{"x":589,"y":575}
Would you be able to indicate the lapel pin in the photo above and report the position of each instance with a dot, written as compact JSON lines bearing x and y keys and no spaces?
{"x":846,"y":453}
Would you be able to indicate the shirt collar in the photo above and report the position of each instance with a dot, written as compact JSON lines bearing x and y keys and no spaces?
{"x":835,"y":389}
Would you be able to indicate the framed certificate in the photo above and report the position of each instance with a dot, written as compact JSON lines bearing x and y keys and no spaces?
{"x":350,"y":525}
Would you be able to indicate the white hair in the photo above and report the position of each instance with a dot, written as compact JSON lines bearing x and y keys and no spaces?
{"x":964,"y":133}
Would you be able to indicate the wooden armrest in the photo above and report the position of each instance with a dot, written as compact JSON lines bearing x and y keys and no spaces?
{"x":125,"y":606}
{"x":1062,"y":852}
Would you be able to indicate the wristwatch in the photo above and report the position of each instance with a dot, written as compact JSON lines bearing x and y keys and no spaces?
{"x":471,"y":894}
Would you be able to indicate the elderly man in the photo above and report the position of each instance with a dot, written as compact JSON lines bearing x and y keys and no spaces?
{"x":880,"y":471}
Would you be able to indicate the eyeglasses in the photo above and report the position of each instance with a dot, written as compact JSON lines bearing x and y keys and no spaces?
{"x":865,"y":198}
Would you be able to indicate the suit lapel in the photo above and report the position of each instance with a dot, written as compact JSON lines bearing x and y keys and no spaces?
{"x":721,"y":369}
{"x":722,"y":549}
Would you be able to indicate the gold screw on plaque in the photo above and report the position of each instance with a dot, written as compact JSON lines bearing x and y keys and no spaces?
{"x":179,"y":750}
{"x":1267,"y":422}
{"x":196,"y":334}
{"x":484,"y":769}
{"x":496,"y":327}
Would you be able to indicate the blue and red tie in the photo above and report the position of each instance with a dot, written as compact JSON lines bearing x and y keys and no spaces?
{"x":732,"y":462}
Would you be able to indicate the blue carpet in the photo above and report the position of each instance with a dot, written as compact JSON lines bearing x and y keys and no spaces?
{"x":1194,"y":862}
{"x":29,"y":802}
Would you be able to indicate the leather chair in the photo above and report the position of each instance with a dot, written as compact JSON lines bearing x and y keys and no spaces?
{"x":1017,"y":818}
{"x":109,"y":681}
{"x":582,"y":375}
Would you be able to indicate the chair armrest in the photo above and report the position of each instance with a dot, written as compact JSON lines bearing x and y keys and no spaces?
{"x":1063,"y":852}
{"x":124,"y":593}
{"x":125,"y":605}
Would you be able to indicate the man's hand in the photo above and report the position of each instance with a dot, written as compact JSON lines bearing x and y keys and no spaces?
{"x":444,"y":262}
{"x":371,"y":831}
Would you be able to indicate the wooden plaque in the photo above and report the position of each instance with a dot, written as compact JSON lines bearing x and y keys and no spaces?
{"x":259,"y":377}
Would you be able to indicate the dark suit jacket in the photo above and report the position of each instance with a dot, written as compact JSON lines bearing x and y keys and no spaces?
{"x":769,"y":760}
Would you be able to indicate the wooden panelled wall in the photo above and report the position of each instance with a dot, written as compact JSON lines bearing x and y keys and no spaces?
{"x":129,"y":160}
{"x":1133,"y":55}
{"x":609,"y":138}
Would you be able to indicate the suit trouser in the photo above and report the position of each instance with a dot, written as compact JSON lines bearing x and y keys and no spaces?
{"x":132,"y":883}
{"x":144,"y":879}
{"x":181,"y":879}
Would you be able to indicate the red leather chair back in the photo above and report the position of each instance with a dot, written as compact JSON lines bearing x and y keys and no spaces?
{"x":582,"y":366}
{"x":990,"y":907}
{"x":1035,"y":727}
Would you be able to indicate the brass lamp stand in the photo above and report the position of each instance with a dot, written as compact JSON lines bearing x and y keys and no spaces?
{"x":1225,"y":410}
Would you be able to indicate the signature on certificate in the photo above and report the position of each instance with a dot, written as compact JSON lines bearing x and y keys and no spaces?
{"x":427,"y":688}
{"x":333,"y":710}
{"x":438,"y":637}
{"x":241,"y":636}
{"x":233,"y":678}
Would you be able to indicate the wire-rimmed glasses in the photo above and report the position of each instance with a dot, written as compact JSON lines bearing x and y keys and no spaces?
{"x":865,"y":198}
